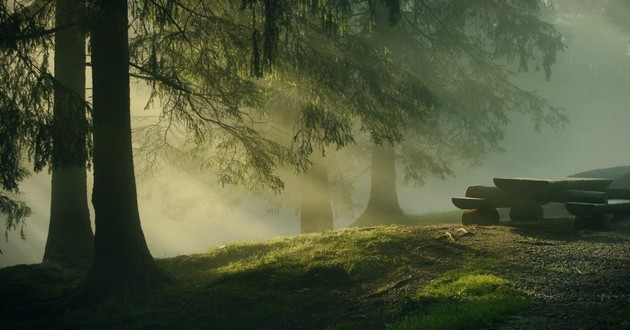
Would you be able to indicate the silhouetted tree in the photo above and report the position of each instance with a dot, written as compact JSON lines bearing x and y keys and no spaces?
{"x":122,"y":261}
{"x":70,"y":237}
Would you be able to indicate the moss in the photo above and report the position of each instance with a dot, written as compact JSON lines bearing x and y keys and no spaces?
{"x":465,"y":297}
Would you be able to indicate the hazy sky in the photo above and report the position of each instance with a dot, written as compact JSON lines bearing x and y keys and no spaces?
{"x":591,"y":81}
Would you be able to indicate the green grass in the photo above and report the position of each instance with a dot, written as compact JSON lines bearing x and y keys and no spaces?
{"x":345,"y":279}
{"x":466,"y":297}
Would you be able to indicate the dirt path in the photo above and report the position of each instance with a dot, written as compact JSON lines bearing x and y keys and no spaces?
{"x":582,"y":278}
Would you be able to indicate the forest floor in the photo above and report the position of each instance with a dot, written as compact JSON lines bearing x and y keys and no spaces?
{"x":513,"y":276}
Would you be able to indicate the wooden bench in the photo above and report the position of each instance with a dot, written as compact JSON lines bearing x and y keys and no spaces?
{"x":597,"y":216}
{"x":586,"y":198}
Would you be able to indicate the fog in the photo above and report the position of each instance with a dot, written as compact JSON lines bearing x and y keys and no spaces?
{"x":182,"y":214}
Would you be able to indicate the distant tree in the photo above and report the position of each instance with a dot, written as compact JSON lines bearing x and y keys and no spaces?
{"x":70,"y":237}
{"x":459,"y":49}
{"x":59,"y":141}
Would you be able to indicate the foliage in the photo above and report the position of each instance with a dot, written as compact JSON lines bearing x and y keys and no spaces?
{"x":211,"y":113}
{"x":439,"y":82}
{"x":26,"y":87}
{"x":15,"y":211}
{"x":463,"y":50}
{"x":330,"y":84}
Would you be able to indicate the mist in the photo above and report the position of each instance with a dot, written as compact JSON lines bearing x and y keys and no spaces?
{"x":182,"y":214}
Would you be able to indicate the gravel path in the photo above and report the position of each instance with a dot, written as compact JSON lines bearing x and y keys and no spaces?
{"x":582,"y":278}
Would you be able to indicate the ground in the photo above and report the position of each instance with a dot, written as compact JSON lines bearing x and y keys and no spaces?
{"x":368,"y":278}
{"x":581,"y":279}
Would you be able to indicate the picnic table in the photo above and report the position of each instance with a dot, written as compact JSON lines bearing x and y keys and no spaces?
{"x":589,"y":200}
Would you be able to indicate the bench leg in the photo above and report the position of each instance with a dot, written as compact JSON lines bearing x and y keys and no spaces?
{"x":596,"y":222}
{"x":526,"y":213}
{"x":480,"y":217}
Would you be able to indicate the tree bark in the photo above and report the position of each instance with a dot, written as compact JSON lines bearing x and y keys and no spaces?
{"x":315,"y":208}
{"x":382,"y":206}
{"x":122,"y":261}
{"x":70,"y":238}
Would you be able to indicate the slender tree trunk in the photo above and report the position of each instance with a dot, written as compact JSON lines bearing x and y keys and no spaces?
{"x":70,"y":237}
{"x":122,"y":261}
{"x":315,"y":208}
{"x":382,"y":207}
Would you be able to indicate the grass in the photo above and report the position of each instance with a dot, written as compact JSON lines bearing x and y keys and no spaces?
{"x":346,"y":279}
{"x":463,"y":298}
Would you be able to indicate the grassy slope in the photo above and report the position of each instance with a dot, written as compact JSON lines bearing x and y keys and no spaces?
{"x":346,"y":279}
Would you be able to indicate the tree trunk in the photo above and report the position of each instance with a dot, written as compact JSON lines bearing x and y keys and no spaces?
{"x":70,"y":237}
{"x":382,"y":207}
{"x":315,"y":208}
{"x":122,"y":261}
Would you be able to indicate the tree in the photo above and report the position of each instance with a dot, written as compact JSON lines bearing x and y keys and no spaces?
{"x":59,"y":141}
{"x":25,"y":98}
{"x":383,"y":200}
{"x":70,"y":237}
{"x":458,"y":49}
{"x":122,"y":261}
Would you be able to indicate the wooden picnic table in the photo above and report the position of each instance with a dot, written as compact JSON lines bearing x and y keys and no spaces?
{"x":586,"y":198}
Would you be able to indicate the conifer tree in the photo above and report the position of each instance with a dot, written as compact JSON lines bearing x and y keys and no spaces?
{"x":70,"y":238}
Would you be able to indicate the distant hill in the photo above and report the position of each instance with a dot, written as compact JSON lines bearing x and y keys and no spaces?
{"x":610,"y":172}
{"x":619,"y":174}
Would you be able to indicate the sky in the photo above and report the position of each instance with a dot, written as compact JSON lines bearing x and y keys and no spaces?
{"x":591,"y":81}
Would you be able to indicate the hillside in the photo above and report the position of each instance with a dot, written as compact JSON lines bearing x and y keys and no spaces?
{"x":619,"y":174}
{"x":609,"y":172}
{"x":432,"y":276}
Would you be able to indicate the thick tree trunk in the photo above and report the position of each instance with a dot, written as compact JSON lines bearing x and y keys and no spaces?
{"x":70,"y":237}
{"x":122,"y":261}
{"x":315,"y":208}
{"x":382,"y":207}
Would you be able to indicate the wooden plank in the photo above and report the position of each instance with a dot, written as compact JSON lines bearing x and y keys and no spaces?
{"x":470,"y":203}
{"x":574,"y":195}
{"x":533,"y":185}
{"x":614,"y":206}
{"x":617,"y":193}
{"x":516,"y":198}
{"x":505,"y":197}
